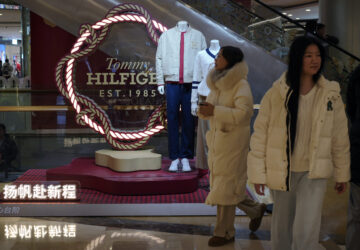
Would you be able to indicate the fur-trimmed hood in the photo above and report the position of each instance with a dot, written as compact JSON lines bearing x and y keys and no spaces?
{"x":238,"y":72}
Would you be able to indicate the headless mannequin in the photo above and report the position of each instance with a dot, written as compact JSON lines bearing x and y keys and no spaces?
{"x":203,"y":125}
{"x":214,"y":46}
{"x":214,"y":49}
{"x":183,"y":27}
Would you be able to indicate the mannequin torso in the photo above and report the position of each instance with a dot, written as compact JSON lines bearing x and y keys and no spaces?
{"x":204,"y":62}
{"x":214,"y":46}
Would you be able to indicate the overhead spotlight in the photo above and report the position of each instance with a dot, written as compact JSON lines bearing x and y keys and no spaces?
{"x":297,"y":18}
{"x":290,"y":15}
{"x":284,"y":13}
{"x":308,"y":10}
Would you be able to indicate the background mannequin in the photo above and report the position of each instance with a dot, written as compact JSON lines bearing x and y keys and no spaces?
{"x":203,"y":63}
{"x":182,"y":26}
{"x":214,"y":46}
{"x":175,"y":55}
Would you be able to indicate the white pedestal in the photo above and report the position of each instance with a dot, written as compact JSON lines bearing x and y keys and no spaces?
{"x":128,"y":161}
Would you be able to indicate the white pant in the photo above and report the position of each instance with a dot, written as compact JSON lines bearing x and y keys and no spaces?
{"x":296,"y":217}
{"x":353,"y":225}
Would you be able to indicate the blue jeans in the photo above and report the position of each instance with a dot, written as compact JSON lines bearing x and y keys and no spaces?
{"x":176,"y":95}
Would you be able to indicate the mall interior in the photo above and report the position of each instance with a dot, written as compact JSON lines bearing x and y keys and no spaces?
{"x":81,"y":81}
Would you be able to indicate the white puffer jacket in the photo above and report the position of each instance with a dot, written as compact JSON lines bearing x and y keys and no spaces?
{"x":329,"y":146}
{"x":229,"y":135}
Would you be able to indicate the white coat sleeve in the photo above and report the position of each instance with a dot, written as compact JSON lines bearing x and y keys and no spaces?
{"x":159,"y":61}
{"x":256,"y":158}
{"x":340,"y":145}
{"x":197,"y":77}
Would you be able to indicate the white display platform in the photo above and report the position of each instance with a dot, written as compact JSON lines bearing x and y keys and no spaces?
{"x":128,"y":161}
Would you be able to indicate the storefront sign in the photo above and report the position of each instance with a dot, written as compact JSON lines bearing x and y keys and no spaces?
{"x":124,"y":79}
{"x":44,"y":191}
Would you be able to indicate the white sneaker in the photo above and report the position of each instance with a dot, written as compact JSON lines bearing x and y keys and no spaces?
{"x":185,"y":165}
{"x":174,"y":166}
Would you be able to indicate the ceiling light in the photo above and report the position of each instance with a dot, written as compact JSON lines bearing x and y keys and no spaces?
{"x":297,"y":18}
{"x":290,"y":15}
{"x":284,"y":13}
{"x":0,"y":14}
{"x":308,"y":10}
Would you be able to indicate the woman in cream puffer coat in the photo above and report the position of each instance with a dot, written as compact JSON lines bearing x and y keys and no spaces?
{"x":300,"y":139}
{"x":229,"y":108}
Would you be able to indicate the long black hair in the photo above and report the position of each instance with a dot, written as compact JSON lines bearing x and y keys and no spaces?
{"x":293,"y":75}
{"x":232,"y":55}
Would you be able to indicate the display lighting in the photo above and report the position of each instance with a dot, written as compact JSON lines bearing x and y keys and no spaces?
{"x":87,"y":111}
{"x":99,"y":241}
{"x":138,"y":235}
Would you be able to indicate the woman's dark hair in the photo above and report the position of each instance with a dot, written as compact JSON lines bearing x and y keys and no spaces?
{"x":296,"y":56}
{"x":232,"y":55}
{"x":293,"y":75}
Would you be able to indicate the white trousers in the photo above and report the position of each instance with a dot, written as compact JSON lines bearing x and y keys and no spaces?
{"x":296,"y":217}
{"x":353,"y":225}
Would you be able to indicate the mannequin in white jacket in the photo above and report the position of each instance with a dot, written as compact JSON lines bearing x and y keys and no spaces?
{"x":175,"y":56}
{"x":182,"y":26}
{"x":204,"y":62}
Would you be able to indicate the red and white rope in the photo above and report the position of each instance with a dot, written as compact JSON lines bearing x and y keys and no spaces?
{"x":88,"y":112}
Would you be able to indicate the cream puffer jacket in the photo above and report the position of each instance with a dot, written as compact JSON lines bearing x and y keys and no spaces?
{"x":229,"y":135}
{"x":268,"y":161}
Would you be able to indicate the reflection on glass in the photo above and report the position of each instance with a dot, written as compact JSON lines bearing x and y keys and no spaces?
{"x":15,"y":231}
{"x":137,"y":236}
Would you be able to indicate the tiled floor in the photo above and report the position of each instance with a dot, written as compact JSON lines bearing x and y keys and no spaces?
{"x":133,"y":233}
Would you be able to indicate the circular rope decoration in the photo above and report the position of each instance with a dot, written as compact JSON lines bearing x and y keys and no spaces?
{"x":88,"y":113}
